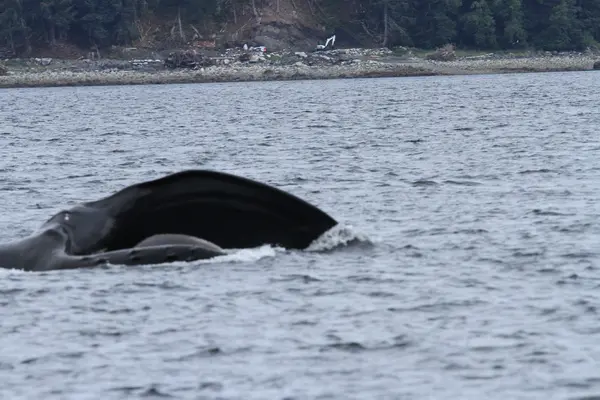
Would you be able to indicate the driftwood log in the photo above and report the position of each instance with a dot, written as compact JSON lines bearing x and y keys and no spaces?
{"x":446,"y":53}
{"x":187,"y":59}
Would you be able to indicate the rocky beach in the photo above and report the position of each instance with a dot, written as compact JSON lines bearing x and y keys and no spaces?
{"x":256,"y":65}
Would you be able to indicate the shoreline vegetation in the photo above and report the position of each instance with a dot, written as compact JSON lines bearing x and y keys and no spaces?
{"x":242,"y":66}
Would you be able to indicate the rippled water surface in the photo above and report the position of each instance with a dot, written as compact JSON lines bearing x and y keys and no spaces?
{"x":473,"y":271}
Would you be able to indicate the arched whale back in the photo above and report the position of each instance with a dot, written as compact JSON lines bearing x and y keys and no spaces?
{"x":227,"y":210}
{"x":186,"y":216}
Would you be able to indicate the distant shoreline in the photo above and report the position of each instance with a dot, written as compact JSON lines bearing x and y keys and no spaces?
{"x":387,"y":66}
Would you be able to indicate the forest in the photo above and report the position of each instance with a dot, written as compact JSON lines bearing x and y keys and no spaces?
{"x":554,"y":25}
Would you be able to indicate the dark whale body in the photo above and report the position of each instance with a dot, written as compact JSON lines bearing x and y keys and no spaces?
{"x":186,"y":216}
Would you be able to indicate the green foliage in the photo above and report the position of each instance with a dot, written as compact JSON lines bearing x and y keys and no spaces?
{"x":510,"y":23}
{"x":479,"y":25}
{"x":429,"y":24}
{"x":563,"y":31}
{"x":436,"y":22}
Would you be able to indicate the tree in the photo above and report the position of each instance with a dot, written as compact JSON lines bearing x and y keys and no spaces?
{"x":509,"y":18}
{"x":56,"y":16}
{"x":589,"y":15}
{"x":563,"y":31}
{"x":13,"y":25}
{"x":435,"y":22}
{"x":479,"y":26}
{"x":396,"y":20}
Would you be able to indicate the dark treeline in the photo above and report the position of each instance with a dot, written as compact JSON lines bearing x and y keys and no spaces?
{"x":100,"y":23}
{"x":479,"y":24}
{"x":483,"y":24}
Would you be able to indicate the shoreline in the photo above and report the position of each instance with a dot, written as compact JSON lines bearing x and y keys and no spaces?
{"x":207,"y":75}
{"x":335,"y":64}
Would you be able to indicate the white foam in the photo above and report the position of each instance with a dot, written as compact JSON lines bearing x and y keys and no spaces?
{"x":233,"y":256}
{"x":248,"y":255}
{"x":338,"y":236}
{"x":7,"y":272}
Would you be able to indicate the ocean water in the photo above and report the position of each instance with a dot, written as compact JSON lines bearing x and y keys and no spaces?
{"x":466,"y":263}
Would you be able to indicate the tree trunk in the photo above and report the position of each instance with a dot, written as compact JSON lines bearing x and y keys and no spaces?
{"x":181,"y":34}
{"x":234,"y":16}
{"x":278,"y":6}
{"x":26,"y":37}
{"x":386,"y":27}
{"x":52,"y":35}
{"x":254,"y":9}
{"x":310,"y":7}
{"x":12,"y":42}
{"x":135,"y":14}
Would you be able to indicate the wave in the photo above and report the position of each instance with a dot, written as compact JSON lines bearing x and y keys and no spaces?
{"x":339,"y":236}
{"x":8,"y":272}
{"x":251,"y":255}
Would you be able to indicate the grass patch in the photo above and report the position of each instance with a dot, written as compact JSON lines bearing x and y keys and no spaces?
{"x":471,"y":53}
{"x":460,"y":53}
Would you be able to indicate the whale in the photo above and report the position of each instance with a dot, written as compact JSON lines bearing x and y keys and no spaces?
{"x":183,"y":216}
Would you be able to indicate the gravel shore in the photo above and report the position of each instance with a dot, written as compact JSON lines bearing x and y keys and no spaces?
{"x":210,"y":74}
{"x":347,"y":63}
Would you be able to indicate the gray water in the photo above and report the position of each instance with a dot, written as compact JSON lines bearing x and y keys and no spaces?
{"x":466,"y":263}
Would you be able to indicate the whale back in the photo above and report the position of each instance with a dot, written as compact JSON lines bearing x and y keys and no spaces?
{"x":227,"y":210}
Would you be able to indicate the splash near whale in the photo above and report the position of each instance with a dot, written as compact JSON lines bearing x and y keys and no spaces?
{"x":185,"y":216}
